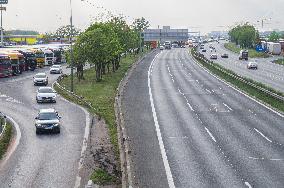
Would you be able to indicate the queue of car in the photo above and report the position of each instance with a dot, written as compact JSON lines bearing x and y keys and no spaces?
{"x":243,"y":55}
{"x":15,"y":61}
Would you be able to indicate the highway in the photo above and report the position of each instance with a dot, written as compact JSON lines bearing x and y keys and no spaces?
{"x":47,"y":160}
{"x":267,"y":73}
{"x":187,"y":128}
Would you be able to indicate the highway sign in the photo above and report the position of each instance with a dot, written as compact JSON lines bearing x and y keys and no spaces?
{"x":3,"y":1}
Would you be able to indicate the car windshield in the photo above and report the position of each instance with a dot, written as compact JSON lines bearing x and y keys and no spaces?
{"x":45,"y":90}
{"x":47,"y":116}
{"x":56,"y":66}
{"x":40,"y":76}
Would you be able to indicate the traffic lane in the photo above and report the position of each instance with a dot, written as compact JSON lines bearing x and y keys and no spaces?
{"x":49,"y":151}
{"x":241,"y":105}
{"x":276,"y":179}
{"x":147,"y":166}
{"x":233,"y":120}
{"x":44,"y":160}
{"x":263,"y":75}
{"x":264,"y":62}
{"x":191,"y":155}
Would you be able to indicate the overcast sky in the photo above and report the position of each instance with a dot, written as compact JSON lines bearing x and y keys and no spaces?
{"x":203,"y":15}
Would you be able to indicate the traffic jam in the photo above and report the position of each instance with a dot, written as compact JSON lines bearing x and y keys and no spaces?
{"x":15,"y":61}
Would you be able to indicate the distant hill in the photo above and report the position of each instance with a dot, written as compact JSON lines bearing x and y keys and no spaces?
{"x":21,"y":32}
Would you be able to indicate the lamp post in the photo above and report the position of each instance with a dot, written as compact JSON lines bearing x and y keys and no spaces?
{"x":71,"y":50}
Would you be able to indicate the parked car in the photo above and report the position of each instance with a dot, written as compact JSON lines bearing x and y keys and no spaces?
{"x":40,"y":79}
{"x":203,"y":50}
{"x":55,"y":69}
{"x":213,"y":56}
{"x":45,"y":94}
{"x":252,"y":65}
{"x":47,"y":120}
{"x":225,"y":56}
{"x":162,"y":47}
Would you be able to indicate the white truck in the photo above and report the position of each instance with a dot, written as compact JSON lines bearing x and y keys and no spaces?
{"x":274,"y":48}
{"x":168,"y":45}
{"x":49,"y":57}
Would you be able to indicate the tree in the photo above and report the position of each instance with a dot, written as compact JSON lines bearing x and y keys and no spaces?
{"x":65,"y":31}
{"x":274,"y":37}
{"x":140,"y":24}
{"x":244,"y":35}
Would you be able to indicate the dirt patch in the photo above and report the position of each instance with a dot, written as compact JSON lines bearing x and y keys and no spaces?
{"x":100,"y":155}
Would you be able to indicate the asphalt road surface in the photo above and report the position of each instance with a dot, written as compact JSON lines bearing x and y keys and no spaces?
{"x":267,"y":73}
{"x":48,"y":160}
{"x":186,"y":129}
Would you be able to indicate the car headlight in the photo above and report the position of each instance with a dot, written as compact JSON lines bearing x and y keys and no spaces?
{"x":54,"y":97}
{"x":56,"y":125}
{"x":38,"y":125}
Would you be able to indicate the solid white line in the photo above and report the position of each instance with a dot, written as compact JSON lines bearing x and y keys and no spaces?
{"x":228,"y":106}
{"x":213,"y":138}
{"x":158,"y":131}
{"x":263,"y":135}
{"x":248,"y":185}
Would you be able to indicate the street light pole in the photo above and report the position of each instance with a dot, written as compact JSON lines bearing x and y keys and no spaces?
{"x":2,"y":26}
{"x":71,"y":50}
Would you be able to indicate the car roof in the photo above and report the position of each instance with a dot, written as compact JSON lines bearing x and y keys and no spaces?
{"x":41,"y":73}
{"x":45,"y":88}
{"x":47,"y":110}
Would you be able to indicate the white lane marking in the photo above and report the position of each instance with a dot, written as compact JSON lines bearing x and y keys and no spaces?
{"x":158,"y":131}
{"x":248,"y":185}
{"x":255,"y":158}
{"x":210,"y":134}
{"x":15,"y":144}
{"x":208,"y":91}
{"x":231,"y":86}
{"x":263,"y":135}
{"x":228,"y":107}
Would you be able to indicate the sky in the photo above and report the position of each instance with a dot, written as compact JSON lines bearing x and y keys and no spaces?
{"x":196,"y":15}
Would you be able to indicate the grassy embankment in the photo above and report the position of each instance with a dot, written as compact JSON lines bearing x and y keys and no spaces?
{"x":5,"y":139}
{"x":252,"y":52}
{"x":101,"y":95}
{"x":255,"y":93}
{"x":279,"y":61}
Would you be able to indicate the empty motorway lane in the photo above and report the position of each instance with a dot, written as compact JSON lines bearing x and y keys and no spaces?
{"x":40,"y":160}
{"x":188,"y":129}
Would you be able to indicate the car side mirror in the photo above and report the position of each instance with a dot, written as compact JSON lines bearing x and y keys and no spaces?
{"x":36,"y":117}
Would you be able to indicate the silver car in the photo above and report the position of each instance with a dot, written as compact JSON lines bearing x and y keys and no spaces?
{"x":252,"y":65}
{"x":46,"y":94}
{"x":55,"y":69}
{"x":40,"y":79}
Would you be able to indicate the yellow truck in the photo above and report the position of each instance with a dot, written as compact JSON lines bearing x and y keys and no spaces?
{"x":40,"y":58}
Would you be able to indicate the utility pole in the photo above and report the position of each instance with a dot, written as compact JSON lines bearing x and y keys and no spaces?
{"x":2,"y":9}
{"x":71,"y":50}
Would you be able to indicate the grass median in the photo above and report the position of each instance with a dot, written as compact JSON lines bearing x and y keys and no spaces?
{"x":101,"y":94}
{"x":5,"y":139}
{"x":279,"y":61}
{"x":255,"y":93}
{"x":252,"y":52}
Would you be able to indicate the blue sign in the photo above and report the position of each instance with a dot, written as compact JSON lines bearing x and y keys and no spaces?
{"x":259,"y":48}
{"x":3,"y":1}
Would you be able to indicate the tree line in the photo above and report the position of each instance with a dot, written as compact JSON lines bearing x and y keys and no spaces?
{"x":244,"y":35}
{"x":103,"y":43}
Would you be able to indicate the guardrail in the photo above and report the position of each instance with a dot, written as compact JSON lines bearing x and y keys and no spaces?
{"x":238,"y":77}
{"x":3,"y":123}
